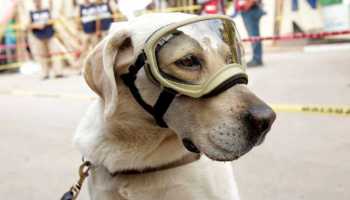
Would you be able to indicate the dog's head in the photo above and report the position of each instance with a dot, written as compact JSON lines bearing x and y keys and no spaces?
{"x":223,"y":127}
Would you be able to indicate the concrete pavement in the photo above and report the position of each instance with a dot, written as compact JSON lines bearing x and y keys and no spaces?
{"x":305,"y":156}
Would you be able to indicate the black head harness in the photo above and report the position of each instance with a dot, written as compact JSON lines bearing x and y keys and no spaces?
{"x":167,"y":95}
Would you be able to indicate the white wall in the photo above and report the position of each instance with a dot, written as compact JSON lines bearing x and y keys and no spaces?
{"x":5,"y":10}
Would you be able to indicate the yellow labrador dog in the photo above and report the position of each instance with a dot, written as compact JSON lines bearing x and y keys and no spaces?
{"x":136,"y":158}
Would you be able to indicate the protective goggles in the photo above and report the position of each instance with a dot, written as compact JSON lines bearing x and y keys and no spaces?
{"x":195,"y":57}
{"x":198,"y":57}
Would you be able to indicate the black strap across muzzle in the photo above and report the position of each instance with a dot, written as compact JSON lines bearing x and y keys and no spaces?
{"x":167,"y":95}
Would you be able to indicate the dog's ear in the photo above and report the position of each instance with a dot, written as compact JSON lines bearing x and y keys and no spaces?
{"x":100,"y":66}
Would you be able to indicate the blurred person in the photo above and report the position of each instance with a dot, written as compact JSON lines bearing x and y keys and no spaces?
{"x":95,"y":18}
{"x":3,"y":60}
{"x":10,"y":41}
{"x":212,"y":6}
{"x":41,"y":38}
{"x":252,"y":12}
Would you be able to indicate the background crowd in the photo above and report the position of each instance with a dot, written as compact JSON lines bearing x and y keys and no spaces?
{"x":58,"y":34}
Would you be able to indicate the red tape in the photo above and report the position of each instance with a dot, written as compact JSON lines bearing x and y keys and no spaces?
{"x":13,"y":46}
{"x":251,"y":39}
{"x":298,"y":36}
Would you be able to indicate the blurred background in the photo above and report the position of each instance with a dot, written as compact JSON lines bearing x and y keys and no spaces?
{"x":298,"y":61}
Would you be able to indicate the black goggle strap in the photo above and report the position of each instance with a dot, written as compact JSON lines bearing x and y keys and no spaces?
{"x":164,"y":100}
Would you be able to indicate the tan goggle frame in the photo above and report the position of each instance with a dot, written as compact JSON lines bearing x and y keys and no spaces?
{"x":194,"y":91}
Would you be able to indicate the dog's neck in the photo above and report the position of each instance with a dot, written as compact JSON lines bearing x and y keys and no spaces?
{"x":187,"y":159}
{"x":127,"y":142}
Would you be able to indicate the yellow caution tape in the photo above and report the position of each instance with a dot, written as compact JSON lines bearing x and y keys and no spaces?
{"x":46,"y":94}
{"x":315,"y":109}
{"x":11,"y":66}
{"x":60,"y":56}
{"x":175,"y":9}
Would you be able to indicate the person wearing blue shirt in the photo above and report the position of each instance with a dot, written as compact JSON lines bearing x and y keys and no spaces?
{"x":10,"y":40}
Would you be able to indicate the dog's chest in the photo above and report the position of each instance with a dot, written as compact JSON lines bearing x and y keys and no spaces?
{"x":202,"y":180}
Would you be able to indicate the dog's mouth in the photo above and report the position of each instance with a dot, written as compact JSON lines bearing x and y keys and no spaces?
{"x":190,"y":146}
{"x":217,"y":152}
{"x":225,"y":145}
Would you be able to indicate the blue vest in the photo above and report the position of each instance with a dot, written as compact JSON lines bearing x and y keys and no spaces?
{"x":105,"y":14}
{"x":42,"y":17}
{"x":89,"y":13}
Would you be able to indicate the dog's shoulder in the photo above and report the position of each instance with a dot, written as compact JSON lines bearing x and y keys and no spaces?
{"x":89,"y":131}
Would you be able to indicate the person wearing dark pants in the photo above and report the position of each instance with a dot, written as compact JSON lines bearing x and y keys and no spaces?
{"x":252,"y":12}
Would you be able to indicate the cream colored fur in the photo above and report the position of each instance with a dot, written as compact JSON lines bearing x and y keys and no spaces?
{"x":117,"y":134}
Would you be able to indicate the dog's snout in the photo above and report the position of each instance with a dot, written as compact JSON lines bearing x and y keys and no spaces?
{"x":260,"y":118}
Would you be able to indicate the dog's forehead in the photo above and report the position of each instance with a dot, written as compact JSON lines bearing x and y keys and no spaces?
{"x":140,"y":28}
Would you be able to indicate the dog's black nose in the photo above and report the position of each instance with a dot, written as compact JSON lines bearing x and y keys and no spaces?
{"x":260,"y":119}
